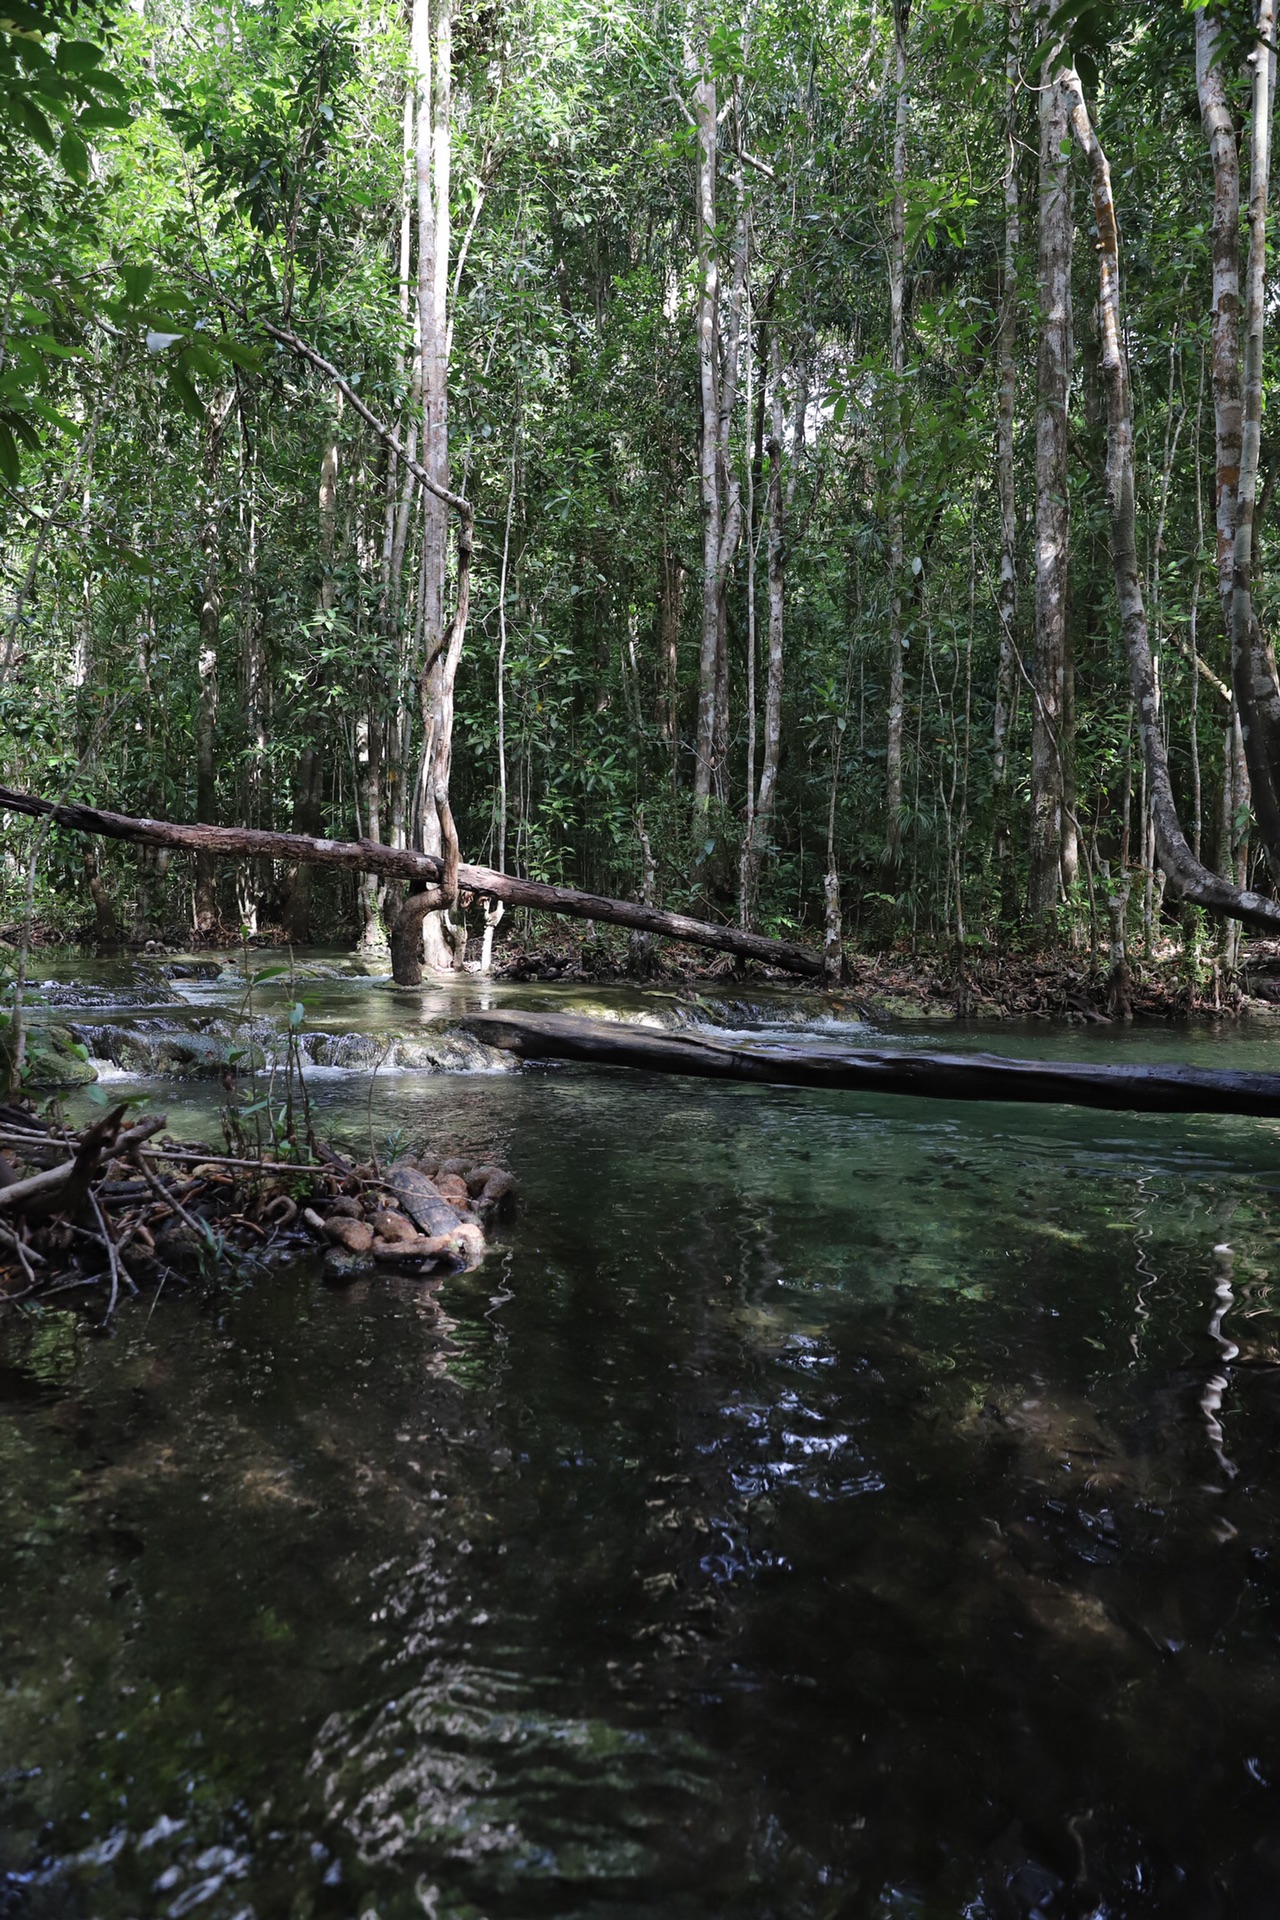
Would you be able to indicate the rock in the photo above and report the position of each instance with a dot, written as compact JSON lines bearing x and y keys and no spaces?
{"x":433,"y":1246}
{"x":353,"y":1235}
{"x":478,"y":1176}
{"x":159,"y":1046}
{"x":498,"y":1190}
{"x":453,"y":1188}
{"x":421,"y":1199}
{"x":452,"y":1166}
{"x":389,"y":1225}
{"x":341,"y":1268}
{"x":346,"y":1206}
{"x":469,"y":1240}
{"x":55,"y":1058}
{"x":177,"y":1247}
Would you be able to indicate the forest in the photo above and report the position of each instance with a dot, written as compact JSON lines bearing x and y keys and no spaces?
{"x":799,"y":464}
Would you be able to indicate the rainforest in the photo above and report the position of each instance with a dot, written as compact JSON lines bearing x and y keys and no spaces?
{"x":639,"y":960}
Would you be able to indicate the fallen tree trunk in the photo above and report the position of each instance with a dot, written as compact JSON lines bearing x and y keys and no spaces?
{"x":932,"y":1076}
{"x":368,"y":856}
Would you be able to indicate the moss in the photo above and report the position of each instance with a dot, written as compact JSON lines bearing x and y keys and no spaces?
{"x":54,"y":1058}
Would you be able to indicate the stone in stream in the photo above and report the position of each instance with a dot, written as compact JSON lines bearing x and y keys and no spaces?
{"x":55,"y":1057}
{"x":390,"y":1225}
{"x":422,"y":1199}
{"x":352,"y":1235}
{"x":453,"y":1188}
{"x":341,"y":1269}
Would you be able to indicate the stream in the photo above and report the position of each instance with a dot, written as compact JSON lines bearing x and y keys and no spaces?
{"x":815,"y":1505}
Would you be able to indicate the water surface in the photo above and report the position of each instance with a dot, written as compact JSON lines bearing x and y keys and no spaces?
{"x":821,"y":1505}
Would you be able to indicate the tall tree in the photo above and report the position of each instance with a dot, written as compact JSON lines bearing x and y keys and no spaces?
{"x":898,"y":442}
{"x":1051,"y":831}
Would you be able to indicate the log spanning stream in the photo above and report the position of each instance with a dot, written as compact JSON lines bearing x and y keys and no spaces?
{"x":817,"y":1503}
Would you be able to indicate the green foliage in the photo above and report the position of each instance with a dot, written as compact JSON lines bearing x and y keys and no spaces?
{"x":169,"y":181}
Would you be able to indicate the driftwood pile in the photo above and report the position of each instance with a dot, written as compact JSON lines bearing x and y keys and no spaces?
{"x":115,"y":1207}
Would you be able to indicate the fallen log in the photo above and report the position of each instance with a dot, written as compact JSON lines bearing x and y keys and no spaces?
{"x":65,"y":1187}
{"x":399,"y":863}
{"x":930,"y":1076}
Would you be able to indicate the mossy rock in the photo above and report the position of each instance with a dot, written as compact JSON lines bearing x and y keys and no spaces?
{"x":174,"y":1053}
{"x":891,"y":1008}
{"x":54,"y":1058}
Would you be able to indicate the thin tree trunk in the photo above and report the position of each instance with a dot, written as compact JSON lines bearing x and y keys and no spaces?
{"x":1049,"y":744}
{"x":780,"y":499}
{"x":310,"y":784}
{"x":1184,"y":871}
{"x":670,"y":601}
{"x":1006,"y":405}
{"x":1253,"y":666}
{"x":708,"y":322}
{"x":440,"y":647}
{"x":898,"y":446}
{"x":431,"y":484}
{"x":206,"y":895}
{"x":369,"y":777}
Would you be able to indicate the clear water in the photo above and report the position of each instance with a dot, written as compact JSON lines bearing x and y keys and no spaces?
{"x":820,"y":1506}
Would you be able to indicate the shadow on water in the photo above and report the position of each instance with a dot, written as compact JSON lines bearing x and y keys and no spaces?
{"x":821,"y":1506}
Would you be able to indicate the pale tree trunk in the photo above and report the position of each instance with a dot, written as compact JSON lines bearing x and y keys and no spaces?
{"x":779,"y":500}
{"x":369,"y":776}
{"x":1185,"y":873}
{"x":1049,"y":744}
{"x":255,"y":803}
{"x":720,"y":487}
{"x":1253,"y":670}
{"x":708,"y":322}
{"x":206,"y":891}
{"x":1007,"y":604}
{"x":729,"y":478}
{"x":440,"y":645}
{"x":1253,"y":667}
{"x":310,"y":787}
{"x":898,"y":440}
{"x":670,"y":603}
{"x":407,"y":930}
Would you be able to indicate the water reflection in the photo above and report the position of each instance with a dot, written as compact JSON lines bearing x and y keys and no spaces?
{"x":817,"y":1508}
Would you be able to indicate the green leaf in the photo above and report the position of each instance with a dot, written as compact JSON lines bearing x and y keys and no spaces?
{"x":23,"y":432}
{"x":10,"y":464}
{"x":75,"y":157}
{"x":237,"y":353}
{"x":196,"y":358}
{"x":268,"y":973}
{"x":94,"y":117}
{"x":185,"y":394}
{"x":32,"y":121}
{"x":78,"y":56}
{"x":137,"y":283}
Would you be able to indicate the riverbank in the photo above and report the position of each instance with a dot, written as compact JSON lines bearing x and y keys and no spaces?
{"x":883,"y":986}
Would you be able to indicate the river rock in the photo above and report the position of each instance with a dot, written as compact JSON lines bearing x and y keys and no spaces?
{"x":389,"y":1225}
{"x":421,"y":1199}
{"x":342,"y":1269}
{"x":55,"y":1058}
{"x":353,"y":1235}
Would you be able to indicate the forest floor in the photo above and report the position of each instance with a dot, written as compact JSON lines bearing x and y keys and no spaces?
{"x":901,"y":983}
